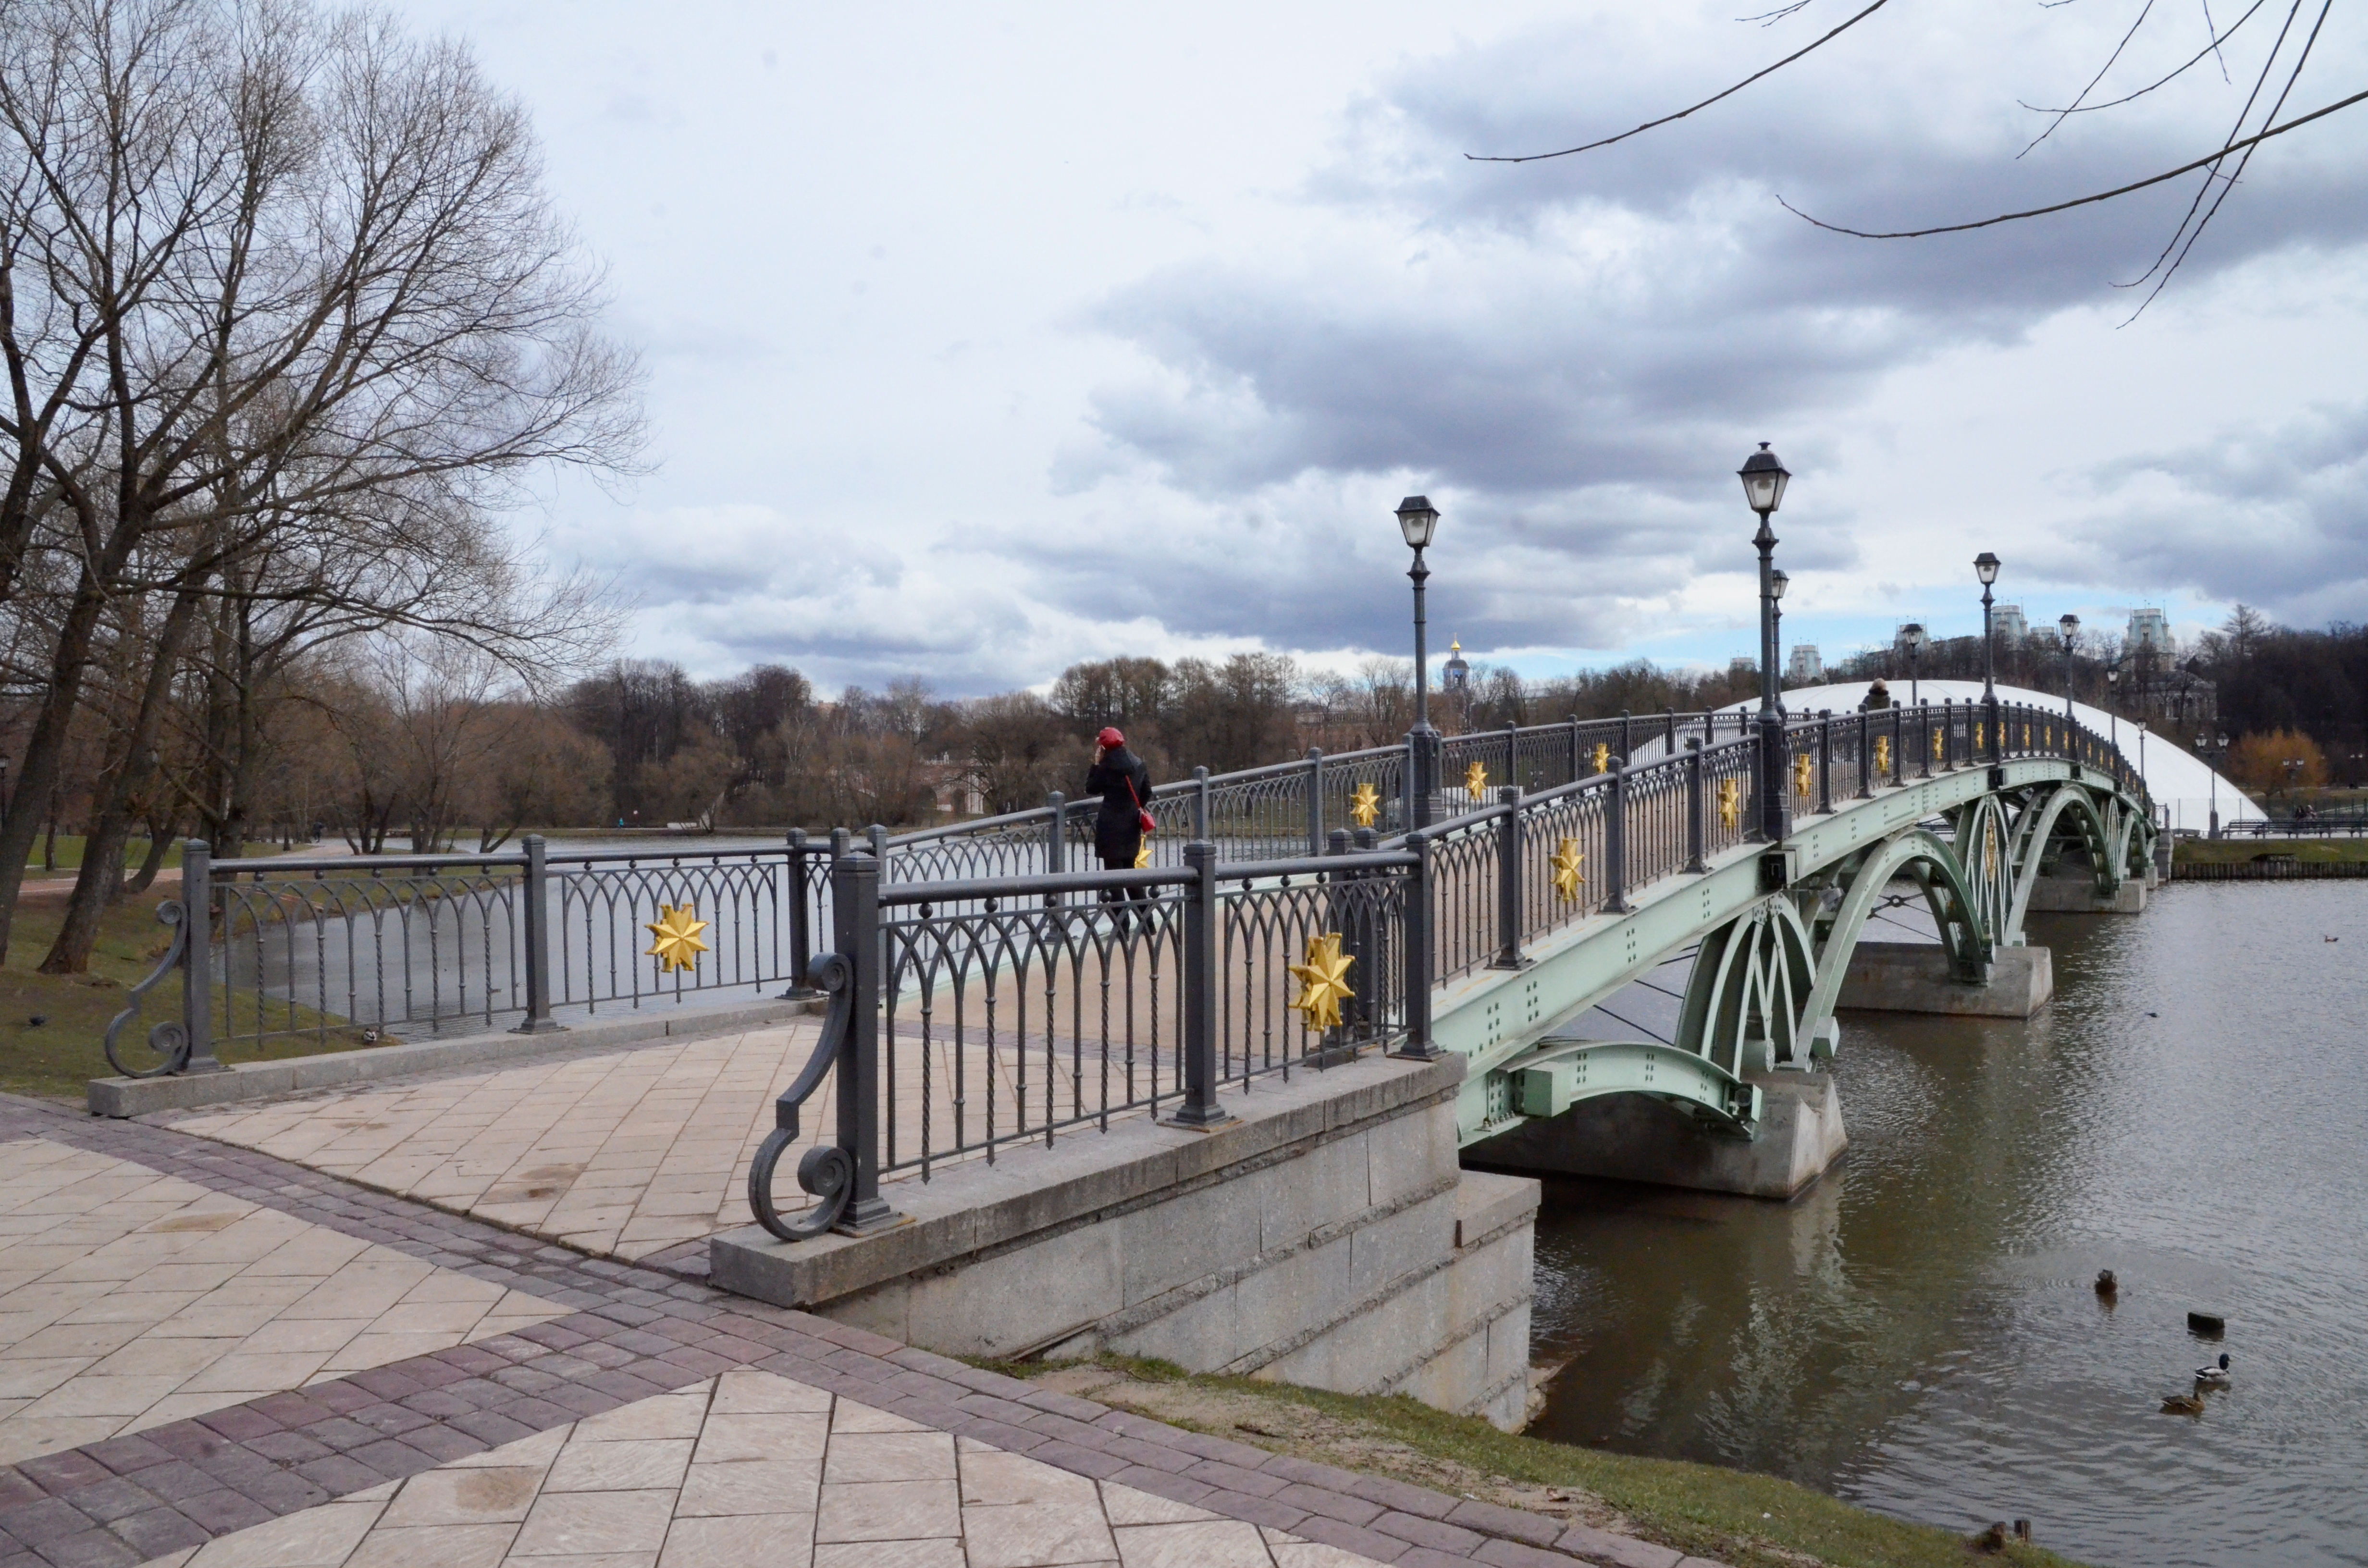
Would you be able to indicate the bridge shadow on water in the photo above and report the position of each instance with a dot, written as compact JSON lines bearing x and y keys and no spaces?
{"x":1918,"y":1332}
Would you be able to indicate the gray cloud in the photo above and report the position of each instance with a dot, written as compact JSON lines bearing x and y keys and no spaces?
{"x":1578,"y":347}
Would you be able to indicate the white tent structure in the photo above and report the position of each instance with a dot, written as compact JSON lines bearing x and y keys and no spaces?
{"x":2185,"y":790}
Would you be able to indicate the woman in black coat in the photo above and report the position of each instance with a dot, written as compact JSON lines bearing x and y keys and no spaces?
{"x":1118,"y":777}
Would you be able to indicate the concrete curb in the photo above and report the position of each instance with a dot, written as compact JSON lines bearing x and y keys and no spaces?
{"x":124,"y":1097}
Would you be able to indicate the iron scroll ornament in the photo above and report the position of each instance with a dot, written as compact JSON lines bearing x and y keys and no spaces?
{"x":170,"y":1039}
{"x":826,"y":1170}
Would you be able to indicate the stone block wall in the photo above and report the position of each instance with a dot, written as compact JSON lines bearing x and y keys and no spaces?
{"x":1328,"y":1238}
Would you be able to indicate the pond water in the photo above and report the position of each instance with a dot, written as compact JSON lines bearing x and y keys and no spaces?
{"x":1919,"y":1333}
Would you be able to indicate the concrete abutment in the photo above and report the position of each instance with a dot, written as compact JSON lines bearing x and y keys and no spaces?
{"x":1327,"y":1237}
{"x":1633,"y":1137}
{"x":1913,"y":977}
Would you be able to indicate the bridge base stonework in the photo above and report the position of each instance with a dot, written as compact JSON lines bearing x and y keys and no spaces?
{"x":1913,"y":977}
{"x":1639,"y":1138}
{"x":2078,"y":895}
{"x":1327,"y":1237}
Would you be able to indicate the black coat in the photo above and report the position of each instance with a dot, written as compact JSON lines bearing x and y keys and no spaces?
{"x":1118,"y":833}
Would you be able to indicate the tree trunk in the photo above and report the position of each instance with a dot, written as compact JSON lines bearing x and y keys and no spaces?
{"x":100,"y":882}
{"x":160,"y":844}
{"x":45,"y":750}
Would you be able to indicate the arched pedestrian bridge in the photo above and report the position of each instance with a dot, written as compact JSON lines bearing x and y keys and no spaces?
{"x":1286,"y":921}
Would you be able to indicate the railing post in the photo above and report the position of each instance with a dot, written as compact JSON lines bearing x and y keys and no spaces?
{"x":1415,"y":962}
{"x":855,"y":917}
{"x":1508,"y":881}
{"x":1697,"y":824}
{"x":1315,"y":799}
{"x":197,"y":971}
{"x":800,"y":922}
{"x":1200,"y":1107}
{"x":1349,"y":919}
{"x":1201,"y":802}
{"x":1825,"y":763}
{"x":1948,"y":731}
{"x":1513,"y":754}
{"x":1056,"y":842}
{"x":538,"y":942}
{"x":1866,"y":751}
{"x":1577,"y":763}
{"x":1627,"y":736}
{"x":1369,"y":973}
{"x":1669,"y":732}
{"x":1615,"y":843}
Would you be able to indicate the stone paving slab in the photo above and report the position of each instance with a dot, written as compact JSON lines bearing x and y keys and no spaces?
{"x":637,"y":1334}
{"x":129,"y":1299}
{"x":750,"y":1469}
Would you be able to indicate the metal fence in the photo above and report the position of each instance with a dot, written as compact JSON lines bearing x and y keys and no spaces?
{"x":967,"y":1017}
{"x":337,"y":951}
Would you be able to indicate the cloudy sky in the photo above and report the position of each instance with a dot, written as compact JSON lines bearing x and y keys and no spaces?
{"x":981,"y":340}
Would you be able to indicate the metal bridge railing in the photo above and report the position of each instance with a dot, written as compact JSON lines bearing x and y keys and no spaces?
{"x":1002,"y":987}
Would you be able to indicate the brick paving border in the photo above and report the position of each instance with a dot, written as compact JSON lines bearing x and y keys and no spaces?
{"x":638,"y":1332}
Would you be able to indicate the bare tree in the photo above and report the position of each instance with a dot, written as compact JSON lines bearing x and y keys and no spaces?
{"x":261,"y":270}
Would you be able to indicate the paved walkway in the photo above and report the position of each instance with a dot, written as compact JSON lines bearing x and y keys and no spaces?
{"x":624,"y":1152}
{"x":627,"y":1412}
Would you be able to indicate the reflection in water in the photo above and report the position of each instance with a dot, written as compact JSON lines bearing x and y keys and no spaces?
{"x":1919,"y":1333}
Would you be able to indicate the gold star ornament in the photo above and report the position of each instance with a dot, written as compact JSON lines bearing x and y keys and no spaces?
{"x":1805,"y":773}
{"x":1883,"y":753}
{"x":1566,"y":861}
{"x":1938,"y":738}
{"x":1475,"y":780}
{"x":1730,"y":803}
{"x":1322,"y":981}
{"x":1602,"y":757}
{"x":676,"y":933}
{"x":1365,"y":806}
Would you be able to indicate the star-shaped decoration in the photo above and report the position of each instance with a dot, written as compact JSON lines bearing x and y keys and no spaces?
{"x":1365,"y":806}
{"x":1602,"y":757}
{"x":677,"y":944}
{"x":1566,"y":861}
{"x":2026,"y":737}
{"x":1804,"y":773}
{"x":1322,"y":981}
{"x":1475,"y":780}
{"x":1883,"y":753}
{"x":1978,"y":741}
{"x":1937,"y":739}
{"x":1143,"y":853}
{"x":1730,"y":803}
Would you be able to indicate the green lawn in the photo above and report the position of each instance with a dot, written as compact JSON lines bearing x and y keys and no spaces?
{"x":57,"y":1056}
{"x":1752,"y":1521}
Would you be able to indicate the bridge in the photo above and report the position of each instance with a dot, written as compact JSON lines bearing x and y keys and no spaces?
{"x":997,"y":997}
{"x":1249,"y":1106}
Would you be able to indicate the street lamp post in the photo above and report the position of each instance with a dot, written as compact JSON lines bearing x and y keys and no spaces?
{"x":1419,"y":521}
{"x":2070,"y":626}
{"x":1777,"y":583}
{"x":1912,"y":634}
{"x":1764,"y":477}
{"x":1985,"y":567}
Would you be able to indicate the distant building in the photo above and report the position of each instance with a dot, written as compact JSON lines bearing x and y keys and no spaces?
{"x":1742,"y":664}
{"x":2148,"y":629}
{"x":1804,"y":666}
{"x":2008,"y":625}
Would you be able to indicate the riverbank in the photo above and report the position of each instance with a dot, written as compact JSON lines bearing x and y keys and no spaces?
{"x":1735,"y":1516}
{"x":57,"y":1057}
{"x":2267,"y":859}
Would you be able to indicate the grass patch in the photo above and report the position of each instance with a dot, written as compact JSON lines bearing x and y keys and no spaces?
{"x":1752,"y":1521}
{"x":57,"y":1056}
{"x":2237,"y":851}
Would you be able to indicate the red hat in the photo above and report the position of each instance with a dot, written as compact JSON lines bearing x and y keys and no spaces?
{"x":1110,"y":738}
